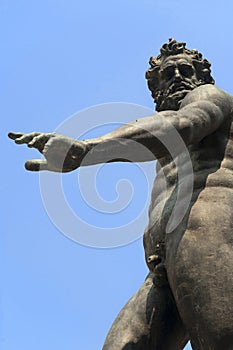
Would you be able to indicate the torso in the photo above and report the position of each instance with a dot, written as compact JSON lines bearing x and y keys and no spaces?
{"x":212,"y":188}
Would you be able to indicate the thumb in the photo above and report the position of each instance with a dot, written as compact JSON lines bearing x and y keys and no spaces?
{"x":36,"y":165}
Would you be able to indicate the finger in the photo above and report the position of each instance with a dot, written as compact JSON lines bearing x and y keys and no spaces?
{"x":26,"y":138}
{"x":34,"y":142}
{"x":36,"y":165}
{"x":15,"y":135}
{"x":39,"y":142}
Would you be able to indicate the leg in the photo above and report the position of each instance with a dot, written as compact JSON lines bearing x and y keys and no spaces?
{"x":202,"y":281}
{"x":149,"y":321}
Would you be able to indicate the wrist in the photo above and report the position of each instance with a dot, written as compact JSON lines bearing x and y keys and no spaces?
{"x":93,"y":152}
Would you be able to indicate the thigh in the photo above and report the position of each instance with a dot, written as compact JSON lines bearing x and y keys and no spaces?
{"x":148,"y":321}
{"x":202,"y":285}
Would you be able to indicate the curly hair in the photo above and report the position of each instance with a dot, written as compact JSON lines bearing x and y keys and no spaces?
{"x":172,"y":48}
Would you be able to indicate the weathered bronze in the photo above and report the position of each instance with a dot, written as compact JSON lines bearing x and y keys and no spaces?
{"x":188,"y":293}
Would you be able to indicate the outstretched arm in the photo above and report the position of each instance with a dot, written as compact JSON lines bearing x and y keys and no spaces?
{"x":202,"y":112}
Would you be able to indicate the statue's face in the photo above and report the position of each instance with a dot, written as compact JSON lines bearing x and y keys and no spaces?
{"x":177,"y":78}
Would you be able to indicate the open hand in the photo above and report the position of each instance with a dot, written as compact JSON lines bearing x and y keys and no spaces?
{"x":62,"y":154}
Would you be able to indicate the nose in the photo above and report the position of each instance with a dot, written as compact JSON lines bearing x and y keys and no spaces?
{"x":177,"y":75}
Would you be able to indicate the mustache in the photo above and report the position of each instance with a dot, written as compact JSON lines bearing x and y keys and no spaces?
{"x":183,"y":85}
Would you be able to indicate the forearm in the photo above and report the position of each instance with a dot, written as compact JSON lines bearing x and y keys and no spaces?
{"x":138,"y":141}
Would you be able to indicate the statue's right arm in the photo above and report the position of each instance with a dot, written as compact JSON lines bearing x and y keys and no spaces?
{"x":202,"y":112}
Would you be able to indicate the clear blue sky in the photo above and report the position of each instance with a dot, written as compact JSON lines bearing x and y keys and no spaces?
{"x":57,"y":58}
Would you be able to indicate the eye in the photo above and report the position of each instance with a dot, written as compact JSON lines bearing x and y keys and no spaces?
{"x":186,"y":70}
{"x":168,"y":73}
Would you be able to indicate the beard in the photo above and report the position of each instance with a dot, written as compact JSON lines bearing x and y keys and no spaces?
{"x":171,"y":98}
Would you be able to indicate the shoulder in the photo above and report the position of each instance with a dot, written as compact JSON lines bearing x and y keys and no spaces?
{"x":210,"y":93}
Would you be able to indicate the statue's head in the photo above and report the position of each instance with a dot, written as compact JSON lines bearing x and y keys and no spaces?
{"x":175,"y":72}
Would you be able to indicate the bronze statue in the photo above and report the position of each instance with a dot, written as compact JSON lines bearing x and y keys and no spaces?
{"x":188,"y":293}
